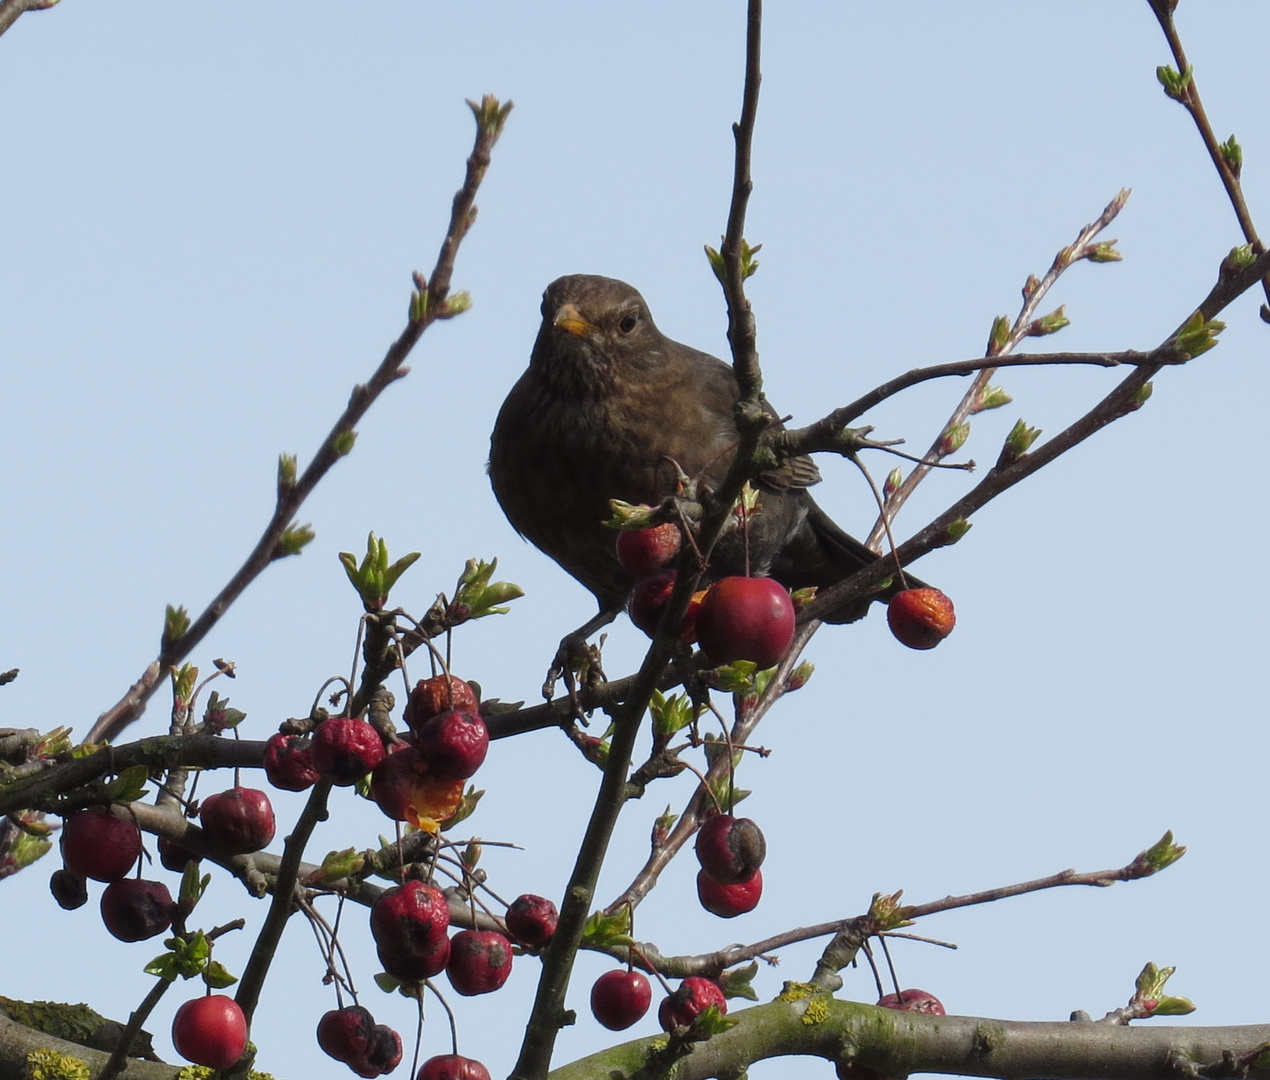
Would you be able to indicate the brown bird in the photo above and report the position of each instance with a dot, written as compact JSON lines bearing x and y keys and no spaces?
{"x":611,"y":408}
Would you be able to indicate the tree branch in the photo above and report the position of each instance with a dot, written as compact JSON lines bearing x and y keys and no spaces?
{"x":428,"y":305}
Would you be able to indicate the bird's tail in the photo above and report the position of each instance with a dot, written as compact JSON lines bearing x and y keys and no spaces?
{"x":823,"y":554}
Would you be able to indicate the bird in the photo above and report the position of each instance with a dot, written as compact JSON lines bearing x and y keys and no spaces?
{"x":611,"y":408}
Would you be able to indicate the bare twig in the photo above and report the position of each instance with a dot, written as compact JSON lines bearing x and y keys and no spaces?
{"x":1124,"y":399}
{"x":1190,"y":99}
{"x":429,"y":305}
{"x":1032,"y":296}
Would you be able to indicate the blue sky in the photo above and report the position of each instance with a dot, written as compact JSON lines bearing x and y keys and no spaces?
{"x":212,"y":213}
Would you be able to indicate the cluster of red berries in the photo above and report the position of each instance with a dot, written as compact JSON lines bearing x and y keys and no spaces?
{"x":419,"y":776}
{"x":737,"y":618}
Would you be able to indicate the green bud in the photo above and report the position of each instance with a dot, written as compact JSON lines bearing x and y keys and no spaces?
{"x":1239,"y":259}
{"x":749,"y":264}
{"x":286,"y":472}
{"x":342,"y":444}
{"x":1159,"y":856}
{"x":670,"y":714}
{"x":1017,"y":443}
{"x":992,"y":398}
{"x":1049,"y":324}
{"x":953,"y":439}
{"x":799,"y":676}
{"x":886,"y":912}
{"x":893,"y":481}
{"x":176,"y":622}
{"x":1233,"y":155}
{"x":999,"y":336}
{"x":455,"y":304}
{"x":1175,"y":85}
{"x":662,"y":826}
{"x":184,"y":679}
{"x":1197,"y":335}
{"x":1173,"y":1006}
{"x":1102,"y":252}
{"x":418,"y":305}
{"x":293,"y":540}
{"x":607,"y":931}
{"x":490,"y":115}
{"x":475,"y":597}
{"x":1030,"y":286}
{"x":374,"y":577}
{"x":955,"y":531}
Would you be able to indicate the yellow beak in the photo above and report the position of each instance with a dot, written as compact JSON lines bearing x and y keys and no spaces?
{"x":569,"y":318}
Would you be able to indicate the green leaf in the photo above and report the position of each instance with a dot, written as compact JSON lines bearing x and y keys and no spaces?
{"x":217,"y":977}
{"x":192,"y":886}
{"x":475,"y":596}
{"x":736,"y":982}
{"x":670,"y":714}
{"x":603,"y":931}
{"x":129,"y":785}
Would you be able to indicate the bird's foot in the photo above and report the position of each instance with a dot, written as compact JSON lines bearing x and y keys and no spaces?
{"x":578,"y":662}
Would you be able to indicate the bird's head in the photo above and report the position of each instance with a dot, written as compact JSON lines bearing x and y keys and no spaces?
{"x":598,"y":322}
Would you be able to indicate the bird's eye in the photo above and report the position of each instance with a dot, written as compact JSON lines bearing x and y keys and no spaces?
{"x":628,"y":322}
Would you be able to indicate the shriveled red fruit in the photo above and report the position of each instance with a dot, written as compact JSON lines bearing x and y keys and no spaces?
{"x":920,"y":618}
{"x":173,"y":856}
{"x":394,"y":780}
{"x":689,"y":1001}
{"x":729,"y":901}
{"x":134,"y":910}
{"x":480,"y":961}
{"x":648,"y":599}
{"x":453,"y":743}
{"x":210,"y":1031}
{"x":410,"y":923}
{"x":531,"y":919}
{"x":730,"y":849}
{"x":238,"y":821}
{"x":383,"y":1056}
{"x":99,"y":844}
{"x":289,"y":762}
{"x":452,"y":1067}
{"x":69,"y":889}
{"x":645,"y":551}
{"x":436,"y":695}
{"x":620,"y":998}
{"x":345,"y":749}
{"x":746,"y":619}
{"x":346,"y":1033}
{"x":918,"y":1001}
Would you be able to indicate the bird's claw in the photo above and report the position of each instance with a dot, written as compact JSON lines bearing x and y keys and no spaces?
{"x":577,"y":661}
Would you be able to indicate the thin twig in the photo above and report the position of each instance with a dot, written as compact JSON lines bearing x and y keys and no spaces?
{"x":969,"y":403}
{"x":1191,"y":101}
{"x":291,"y":495}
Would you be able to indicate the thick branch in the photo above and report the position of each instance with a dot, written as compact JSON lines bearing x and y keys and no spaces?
{"x":897,"y":1043}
